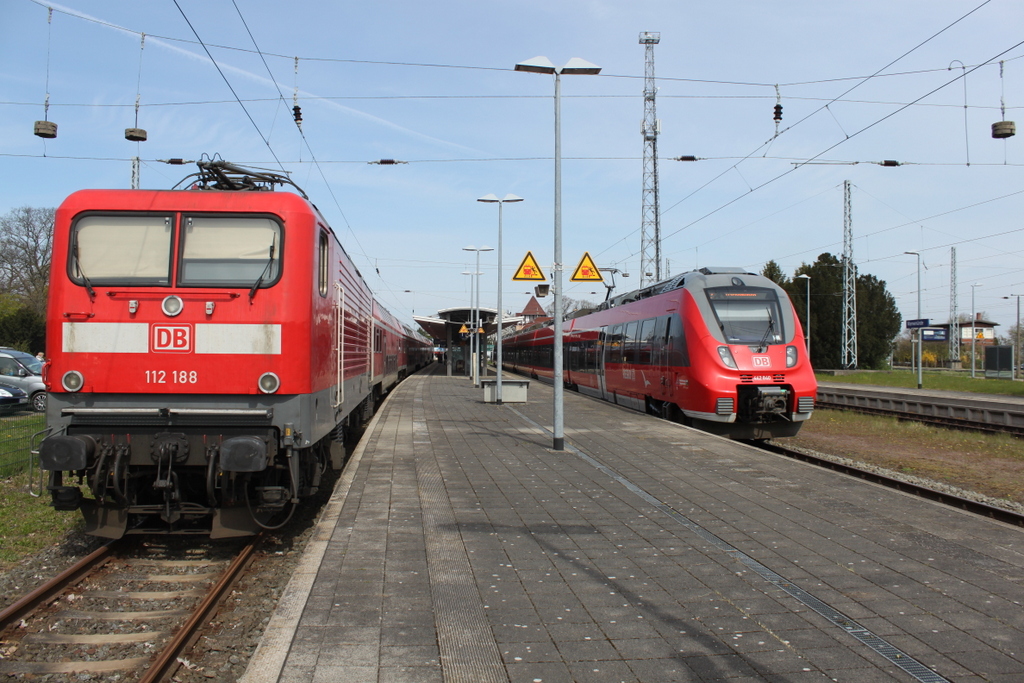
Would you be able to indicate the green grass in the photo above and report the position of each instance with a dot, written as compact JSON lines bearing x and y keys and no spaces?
{"x":29,"y":524}
{"x":992,"y":464}
{"x":15,"y":440}
{"x":947,"y":381}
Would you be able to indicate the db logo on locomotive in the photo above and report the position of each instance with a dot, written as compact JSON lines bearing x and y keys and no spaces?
{"x":171,"y":338}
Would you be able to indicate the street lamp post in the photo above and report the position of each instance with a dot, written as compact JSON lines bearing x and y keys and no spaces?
{"x":918,"y":332}
{"x":808,"y":330}
{"x":472,"y":309}
{"x":1016,"y":336}
{"x":974,"y":335}
{"x":493,"y":199}
{"x":544,"y":66}
{"x":475,"y":339}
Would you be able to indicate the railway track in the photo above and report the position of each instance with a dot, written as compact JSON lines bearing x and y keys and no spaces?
{"x":974,"y":412}
{"x":129,"y":608}
{"x":946,"y":498}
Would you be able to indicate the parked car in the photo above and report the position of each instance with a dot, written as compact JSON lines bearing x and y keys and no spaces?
{"x":24,"y":371}
{"x":11,"y":398}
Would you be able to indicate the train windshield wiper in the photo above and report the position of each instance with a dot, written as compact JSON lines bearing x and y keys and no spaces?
{"x":763,"y":346}
{"x":266,"y":269}
{"x":78,"y":267}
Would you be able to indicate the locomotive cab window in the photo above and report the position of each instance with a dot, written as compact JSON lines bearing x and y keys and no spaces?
{"x":747,"y":315}
{"x":230,"y":251}
{"x":121,"y":250}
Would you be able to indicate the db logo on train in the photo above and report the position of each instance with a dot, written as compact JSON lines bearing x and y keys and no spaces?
{"x":762,"y":361}
{"x":171,"y":338}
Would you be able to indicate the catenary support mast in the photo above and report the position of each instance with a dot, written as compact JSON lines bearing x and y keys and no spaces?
{"x":849,"y":360}
{"x":954,"y":313}
{"x":650,"y":232}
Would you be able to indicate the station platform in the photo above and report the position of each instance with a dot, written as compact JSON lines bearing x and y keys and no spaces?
{"x":459,"y":547}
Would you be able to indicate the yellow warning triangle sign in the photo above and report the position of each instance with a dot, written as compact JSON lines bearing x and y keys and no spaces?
{"x":528,"y":269}
{"x":587,"y":270}
{"x":463,"y":330}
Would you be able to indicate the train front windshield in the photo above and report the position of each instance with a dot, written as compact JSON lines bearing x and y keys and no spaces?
{"x":747,"y":315}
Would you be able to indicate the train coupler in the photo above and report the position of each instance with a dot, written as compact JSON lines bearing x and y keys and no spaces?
{"x":272,"y":497}
{"x":65,"y":498}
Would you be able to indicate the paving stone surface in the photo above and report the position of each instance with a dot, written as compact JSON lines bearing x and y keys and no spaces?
{"x":460,"y":547}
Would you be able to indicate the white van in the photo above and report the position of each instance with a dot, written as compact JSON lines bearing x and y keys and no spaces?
{"x":24,"y":371}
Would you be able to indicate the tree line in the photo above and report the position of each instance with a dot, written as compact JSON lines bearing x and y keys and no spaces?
{"x":26,"y":246}
{"x":878,"y":319}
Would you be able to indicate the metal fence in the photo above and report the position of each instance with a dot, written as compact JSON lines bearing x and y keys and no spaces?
{"x":16,"y":440}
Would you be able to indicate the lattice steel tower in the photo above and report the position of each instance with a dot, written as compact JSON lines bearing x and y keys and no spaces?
{"x":849,"y":360}
{"x":954,"y":313}
{"x":650,"y":231}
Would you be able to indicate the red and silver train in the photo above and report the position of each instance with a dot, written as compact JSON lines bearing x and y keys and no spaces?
{"x":719,"y":349}
{"x":208,"y":350}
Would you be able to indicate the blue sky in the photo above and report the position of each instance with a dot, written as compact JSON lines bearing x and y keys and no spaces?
{"x":433,"y":84}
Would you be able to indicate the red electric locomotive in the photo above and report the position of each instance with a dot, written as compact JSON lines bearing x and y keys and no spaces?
{"x":719,"y":348}
{"x":208,"y":349}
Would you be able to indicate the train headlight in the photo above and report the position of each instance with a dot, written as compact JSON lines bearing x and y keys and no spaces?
{"x":72,"y":380}
{"x":171,"y":306}
{"x":269,"y":383}
{"x":791,"y":356}
{"x":726,"y":355}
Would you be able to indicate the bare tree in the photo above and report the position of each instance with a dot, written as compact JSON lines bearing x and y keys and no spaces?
{"x":26,"y":246}
{"x":570,"y":305}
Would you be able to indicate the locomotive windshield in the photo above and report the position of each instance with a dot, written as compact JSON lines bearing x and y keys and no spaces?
{"x":121,"y":250}
{"x":747,"y":315}
{"x":226,"y":251}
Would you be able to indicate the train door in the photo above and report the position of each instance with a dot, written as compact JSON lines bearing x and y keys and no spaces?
{"x":658,"y":352}
{"x":600,"y":363}
{"x":611,"y":364}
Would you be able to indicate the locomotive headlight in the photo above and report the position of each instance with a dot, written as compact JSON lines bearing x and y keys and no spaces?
{"x":791,"y":356}
{"x":72,"y":380}
{"x":269,"y":383}
{"x":726,"y":355}
{"x":171,"y":306}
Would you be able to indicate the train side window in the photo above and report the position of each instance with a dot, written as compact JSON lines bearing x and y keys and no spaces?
{"x":591,"y":348}
{"x":675,"y":343}
{"x":230,"y":251}
{"x":629,"y":352}
{"x":614,"y":345}
{"x":645,"y":340}
{"x":121,"y":250}
{"x":324,"y":265}
{"x":658,"y":342}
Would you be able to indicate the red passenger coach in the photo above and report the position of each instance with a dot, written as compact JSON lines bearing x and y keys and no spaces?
{"x":719,"y":348}
{"x":207,"y":350}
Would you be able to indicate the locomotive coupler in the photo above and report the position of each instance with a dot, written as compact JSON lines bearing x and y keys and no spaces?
{"x":65,"y":498}
{"x":272,"y":497}
{"x":759,"y":402}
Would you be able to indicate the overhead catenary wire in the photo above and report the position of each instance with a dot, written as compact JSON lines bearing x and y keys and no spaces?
{"x":825,"y":151}
{"x":230,"y":87}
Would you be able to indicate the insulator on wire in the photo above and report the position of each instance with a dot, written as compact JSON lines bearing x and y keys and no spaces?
{"x":778,"y":112}
{"x":297,"y":113}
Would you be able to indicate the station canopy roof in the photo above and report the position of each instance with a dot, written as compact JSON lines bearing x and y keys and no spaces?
{"x":455,"y":318}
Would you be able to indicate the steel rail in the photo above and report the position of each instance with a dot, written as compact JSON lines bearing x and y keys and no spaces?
{"x":965,"y":504}
{"x":51,"y":588}
{"x":165,"y":663}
